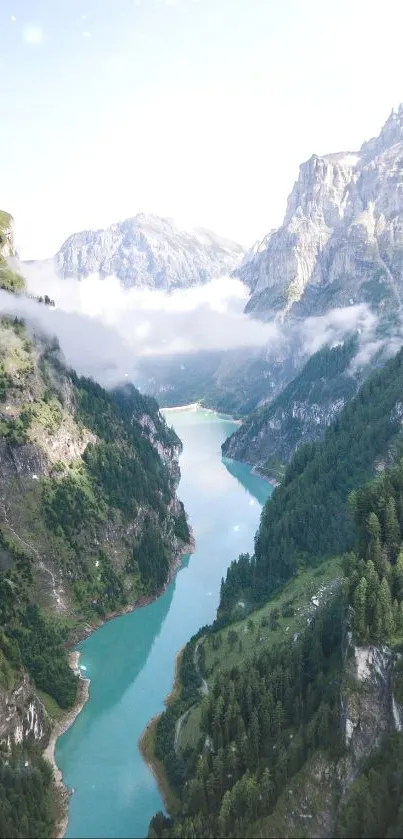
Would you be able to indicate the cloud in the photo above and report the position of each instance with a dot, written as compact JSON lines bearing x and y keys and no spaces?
{"x":154,"y":322}
{"x":90,"y":347}
{"x":329,"y":328}
{"x":104,"y":330}
{"x":32,"y":34}
{"x":107,"y":331}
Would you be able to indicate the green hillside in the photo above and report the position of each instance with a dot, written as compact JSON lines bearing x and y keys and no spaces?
{"x":259,"y":737}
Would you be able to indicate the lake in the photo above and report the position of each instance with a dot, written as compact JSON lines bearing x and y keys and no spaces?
{"x":130,"y":660}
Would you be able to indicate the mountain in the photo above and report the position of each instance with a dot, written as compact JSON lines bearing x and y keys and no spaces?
{"x":341,"y":241}
{"x":269,"y":436}
{"x":148,"y":252}
{"x":232,"y":381}
{"x":90,"y":525}
{"x":286,"y":718}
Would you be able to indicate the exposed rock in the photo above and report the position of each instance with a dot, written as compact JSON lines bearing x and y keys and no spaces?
{"x":22,"y":716}
{"x":341,"y":241}
{"x":7,"y":248}
{"x":270,"y":435}
{"x":148,"y":252}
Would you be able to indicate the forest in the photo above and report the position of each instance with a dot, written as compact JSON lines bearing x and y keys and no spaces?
{"x":264,"y":719}
{"x":260,"y":723}
{"x":308,"y":517}
{"x":116,"y":476}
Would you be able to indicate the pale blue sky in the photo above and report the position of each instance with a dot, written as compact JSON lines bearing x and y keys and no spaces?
{"x":197,"y":109}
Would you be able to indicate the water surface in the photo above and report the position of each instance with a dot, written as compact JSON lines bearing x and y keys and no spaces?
{"x":130,"y":660}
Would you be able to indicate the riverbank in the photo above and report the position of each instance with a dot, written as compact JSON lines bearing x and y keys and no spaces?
{"x":84,"y":631}
{"x":272,"y":481}
{"x":146,"y":746}
{"x":84,"y":684}
{"x":60,"y":728}
{"x":131,"y":691}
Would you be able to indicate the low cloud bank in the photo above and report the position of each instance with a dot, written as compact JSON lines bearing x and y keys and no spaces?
{"x":105,"y":330}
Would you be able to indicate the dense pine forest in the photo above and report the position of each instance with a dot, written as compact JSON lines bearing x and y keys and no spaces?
{"x":265,"y":719}
{"x":308,"y":517}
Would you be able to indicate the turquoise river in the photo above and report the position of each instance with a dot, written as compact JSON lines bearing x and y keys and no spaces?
{"x":130,"y":660}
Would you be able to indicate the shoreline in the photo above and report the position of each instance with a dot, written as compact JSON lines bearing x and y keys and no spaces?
{"x":85,"y":631}
{"x":84,"y":684}
{"x":198,"y":406}
{"x":274,"y":483}
{"x":147,"y":751}
{"x":57,"y":730}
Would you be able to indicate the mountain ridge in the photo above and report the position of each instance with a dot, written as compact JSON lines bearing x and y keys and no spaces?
{"x":343,"y":224}
{"x":146,"y":251}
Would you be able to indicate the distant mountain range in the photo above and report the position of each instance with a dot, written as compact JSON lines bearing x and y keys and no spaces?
{"x":340,"y":244}
{"x":148,"y":252}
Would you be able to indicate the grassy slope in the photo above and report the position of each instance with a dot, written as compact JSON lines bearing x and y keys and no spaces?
{"x":296,"y":595}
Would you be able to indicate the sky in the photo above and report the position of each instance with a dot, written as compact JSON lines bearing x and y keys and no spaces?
{"x":200,"y":110}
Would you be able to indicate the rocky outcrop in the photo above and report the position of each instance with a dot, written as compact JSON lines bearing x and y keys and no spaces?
{"x":148,"y":252}
{"x":368,"y":704}
{"x":341,"y":241}
{"x":7,"y":248}
{"x":270,"y":435}
{"x":22,"y":716}
{"x":311,"y":802}
{"x":169,"y":454}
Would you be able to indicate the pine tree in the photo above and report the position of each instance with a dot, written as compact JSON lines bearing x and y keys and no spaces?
{"x":266,"y":790}
{"x":385,"y":600}
{"x":373,"y":584}
{"x":360,"y":607}
{"x":398,"y":577}
{"x":392,"y":529}
{"x":374,"y":552}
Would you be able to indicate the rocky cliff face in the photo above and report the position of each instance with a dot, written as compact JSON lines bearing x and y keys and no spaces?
{"x":22,"y":715}
{"x":341,"y":241}
{"x":43,"y":445}
{"x":270,"y":435}
{"x":148,"y":252}
{"x":312,"y":801}
{"x":6,"y":235}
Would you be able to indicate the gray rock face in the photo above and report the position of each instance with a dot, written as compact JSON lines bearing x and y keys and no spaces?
{"x":270,"y":435}
{"x":22,"y":715}
{"x":6,"y":236}
{"x":148,"y":251}
{"x":341,"y":241}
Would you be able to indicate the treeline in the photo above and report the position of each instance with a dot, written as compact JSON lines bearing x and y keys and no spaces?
{"x":28,"y":637}
{"x":189,"y":681}
{"x":324,"y":377}
{"x":374,"y":805}
{"x":308,"y":517}
{"x":27,"y":805}
{"x":374,"y":571}
{"x":119,"y":475}
{"x":34,"y":642}
{"x":259,"y":724}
